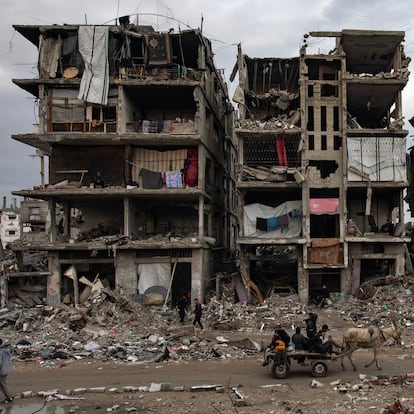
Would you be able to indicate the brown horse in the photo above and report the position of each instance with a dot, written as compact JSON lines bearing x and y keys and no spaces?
{"x":371,"y":337}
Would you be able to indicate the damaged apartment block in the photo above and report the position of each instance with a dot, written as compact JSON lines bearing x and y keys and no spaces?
{"x":137,"y":128}
{"x":322,"y":154}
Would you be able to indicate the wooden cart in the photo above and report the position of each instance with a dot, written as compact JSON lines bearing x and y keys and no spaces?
{"x":281,"y":364}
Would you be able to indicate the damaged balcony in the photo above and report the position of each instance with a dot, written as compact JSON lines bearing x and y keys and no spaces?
{"x":376,"y":73}
{"x":133,"y":51}
{"x":268,"y":93}
{"x":161,"y":109}
{"x":374,"y":214}
{"x":269,"y":159}
{"x":268,"y":219}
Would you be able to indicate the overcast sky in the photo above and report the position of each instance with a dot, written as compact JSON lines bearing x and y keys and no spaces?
{"x":265,"y":28}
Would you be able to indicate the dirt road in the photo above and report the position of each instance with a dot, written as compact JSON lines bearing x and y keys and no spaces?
{"x":263,"y":393}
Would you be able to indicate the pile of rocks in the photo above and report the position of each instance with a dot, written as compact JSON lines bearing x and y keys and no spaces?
{"x":109,"y":326}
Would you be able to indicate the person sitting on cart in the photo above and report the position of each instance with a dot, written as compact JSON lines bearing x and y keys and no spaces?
{"x":278,"y":347}
{"x":284,"y":336}
{"x":323,"y":343}
{"x":311,"y":329}
{"x":300,"y":341}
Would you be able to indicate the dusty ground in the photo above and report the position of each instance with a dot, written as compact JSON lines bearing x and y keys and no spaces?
{"x":340,"y":392}
{"x":261,"y":392}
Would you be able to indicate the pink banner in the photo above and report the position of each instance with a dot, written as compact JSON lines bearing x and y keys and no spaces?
{"x":324,"y":205}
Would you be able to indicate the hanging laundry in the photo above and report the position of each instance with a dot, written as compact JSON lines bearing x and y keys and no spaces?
{"x":281,"y":150}
{"x":150,"y":179}
{"x":167,"y":126}
{"x":191,"y":168}
{"x":145,"y":126}
{"x":174,"y":179}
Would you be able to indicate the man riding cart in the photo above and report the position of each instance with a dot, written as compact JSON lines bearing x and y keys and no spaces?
{"x":319,"y":353}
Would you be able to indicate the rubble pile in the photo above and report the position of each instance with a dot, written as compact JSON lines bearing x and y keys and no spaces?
{"x":282,"y":121}
{"x":109,"y":326}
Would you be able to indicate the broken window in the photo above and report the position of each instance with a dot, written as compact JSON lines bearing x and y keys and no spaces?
{"x":271,"y":150}
{"x":324,"y":167}
{"x":322,"y":70}
{"x":67,"y":113}
{"x":160,"y":109}
{"x":80,"y":165}
{"x":381,"y":158}
{"x":324,"y":225}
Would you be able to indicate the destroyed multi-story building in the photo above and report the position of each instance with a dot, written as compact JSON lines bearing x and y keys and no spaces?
{"x":138,"y":131}
{"x":323,"y":163}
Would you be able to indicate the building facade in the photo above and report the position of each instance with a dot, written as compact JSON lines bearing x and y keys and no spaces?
{"x":10,"y":223}
{"x":138,"y":129}
{"x":322,"y":151}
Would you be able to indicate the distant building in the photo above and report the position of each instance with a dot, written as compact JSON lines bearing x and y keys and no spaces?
{"x":10,"y":223}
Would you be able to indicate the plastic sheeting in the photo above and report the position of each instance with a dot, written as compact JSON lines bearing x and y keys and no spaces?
{"x":382,"y":158}
{"x":292,"y":208}
{"x":93,"y":46}
{"x":153,"y":274}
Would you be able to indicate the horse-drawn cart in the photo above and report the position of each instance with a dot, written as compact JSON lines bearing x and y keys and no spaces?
{"x":281,"y":364}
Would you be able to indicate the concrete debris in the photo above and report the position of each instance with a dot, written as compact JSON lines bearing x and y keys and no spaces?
{"x":282,"y":121}
{"x":107,"y":325}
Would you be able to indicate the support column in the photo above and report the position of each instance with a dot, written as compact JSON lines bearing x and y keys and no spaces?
{"x":54,"y":280}
{"x":126,"y":272}
{"x":303,"y":277}
{"x":52,"y":209}
{"x":197,"y":272}
{"x":201,"y":217}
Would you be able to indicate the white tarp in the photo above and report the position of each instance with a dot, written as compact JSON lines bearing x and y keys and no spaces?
{"x":153,"y":274}
{"x":292,"y":208}
{"x":382,"y":158}
{"x":93,"y":46}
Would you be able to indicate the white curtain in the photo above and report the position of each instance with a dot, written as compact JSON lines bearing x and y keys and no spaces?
{"x":93,"y":46}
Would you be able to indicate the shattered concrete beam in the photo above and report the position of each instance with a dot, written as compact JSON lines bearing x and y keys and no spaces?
{"x":325,"y":34}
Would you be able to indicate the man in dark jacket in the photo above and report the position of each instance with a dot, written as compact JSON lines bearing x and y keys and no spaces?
{"x":311,"y":328}
{"x":197,"y":313}
{"x":182,"y":307}
{"x":5,"y":357}
{"x":300,"y":341}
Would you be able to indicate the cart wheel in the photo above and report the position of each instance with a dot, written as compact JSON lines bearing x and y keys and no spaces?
{"x":319,"y":369}
{"x":281,"y":371}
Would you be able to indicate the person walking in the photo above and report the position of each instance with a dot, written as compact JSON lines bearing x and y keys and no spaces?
{"x":197,"y":313}
{"x":182,"y":306}
{"x":5,"y":366}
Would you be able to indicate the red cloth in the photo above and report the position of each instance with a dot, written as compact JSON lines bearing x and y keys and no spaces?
{"x":191,"y":168}
{"x":281,"y":151}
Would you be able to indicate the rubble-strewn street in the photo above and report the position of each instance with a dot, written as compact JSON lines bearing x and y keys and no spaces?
{"x":112,"y":332}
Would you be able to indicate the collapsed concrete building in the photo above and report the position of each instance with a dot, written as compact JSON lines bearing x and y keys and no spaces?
{"x":323,"y":172}
{"x":152,"y":189}
{"x":138,"y":130}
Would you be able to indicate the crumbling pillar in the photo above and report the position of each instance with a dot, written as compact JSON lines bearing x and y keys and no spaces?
{"x":126,"y":272}
{"x":303,"y":278}
{"x":198,"y":274}
{"x":54,"y":280}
